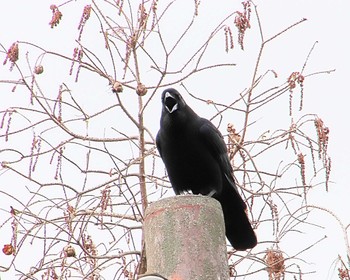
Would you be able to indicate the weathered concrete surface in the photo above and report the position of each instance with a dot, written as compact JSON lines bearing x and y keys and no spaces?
{"x":185,"y":238}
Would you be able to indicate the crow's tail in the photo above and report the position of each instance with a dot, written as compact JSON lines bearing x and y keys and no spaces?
{"x":238,"y":228}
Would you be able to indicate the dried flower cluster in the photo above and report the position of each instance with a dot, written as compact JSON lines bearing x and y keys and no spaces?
{"x":141,"y":89}
{"x":12,"y":55}
{"x":291,"y":137}
{"x":343,"y":274}
{"x":322,"y":136}
{"x":274,"y":261}
{"x":56,"y":16}
{"x":69,"y":251}
{"x":126,"y":272}
{"x":142,"y":17}
{"x":58,"y":104}
{"x":8,"y":249}
{"x":34,"y":154}
{"x":117,"y":87}
{"x":138,"y":32}
{"x":39,"y":69}
{"x":343,"y":271}
{"x":274,"y":214}
{"x":7,"y":113}
{"x":59,"y":162}
{"x":90,"y":251}
{"x":84,"y":18}
{"x":77,"y":57}
{"x":11,"y":248}
{"x":89,"y":245}
{"x":294,"y":79}
{"x":105,"y":202}
{"x":50,"y":274}
{"x":196,"y":6}
{"x":242,"y":22}
{"x":106,"y":198}
{"x":154,"y":8}
{"x":119,"y":4}
{"x":234,"y":140}
{"x":322,"y":140}
{"x":69,"y":215}
{"x":301,"y":161}
{"x":228,"y":39}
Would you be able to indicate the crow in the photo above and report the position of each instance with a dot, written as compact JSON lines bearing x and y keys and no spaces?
{"x":195,"y":156}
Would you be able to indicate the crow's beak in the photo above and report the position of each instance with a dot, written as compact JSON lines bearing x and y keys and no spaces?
{"x":170,"y":103}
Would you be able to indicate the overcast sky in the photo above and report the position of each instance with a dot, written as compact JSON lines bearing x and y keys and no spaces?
{"x":327,"y":23}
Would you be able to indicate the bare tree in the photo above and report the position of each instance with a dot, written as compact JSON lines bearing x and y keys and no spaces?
{"x":77,"y":140}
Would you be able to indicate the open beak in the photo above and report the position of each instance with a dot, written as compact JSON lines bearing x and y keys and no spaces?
{"x":170,"y":103}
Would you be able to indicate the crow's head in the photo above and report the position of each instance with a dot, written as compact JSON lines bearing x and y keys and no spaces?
{"x":172,"y":100}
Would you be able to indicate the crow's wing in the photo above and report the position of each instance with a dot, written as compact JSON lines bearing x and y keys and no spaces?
{"x":158,"y":144}
{"x":238,"y":228}
{"x":215,"y":144}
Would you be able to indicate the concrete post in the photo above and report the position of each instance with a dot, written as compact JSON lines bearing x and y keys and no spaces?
{"x":185,"y":238}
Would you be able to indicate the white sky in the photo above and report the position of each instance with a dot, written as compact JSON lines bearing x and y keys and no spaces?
{"x":325,"y":95}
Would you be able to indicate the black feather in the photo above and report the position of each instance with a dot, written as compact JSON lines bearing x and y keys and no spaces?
{"x":195,"y":156}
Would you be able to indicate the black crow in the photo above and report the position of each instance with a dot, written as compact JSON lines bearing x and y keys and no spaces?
{"x":195,"y":156}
